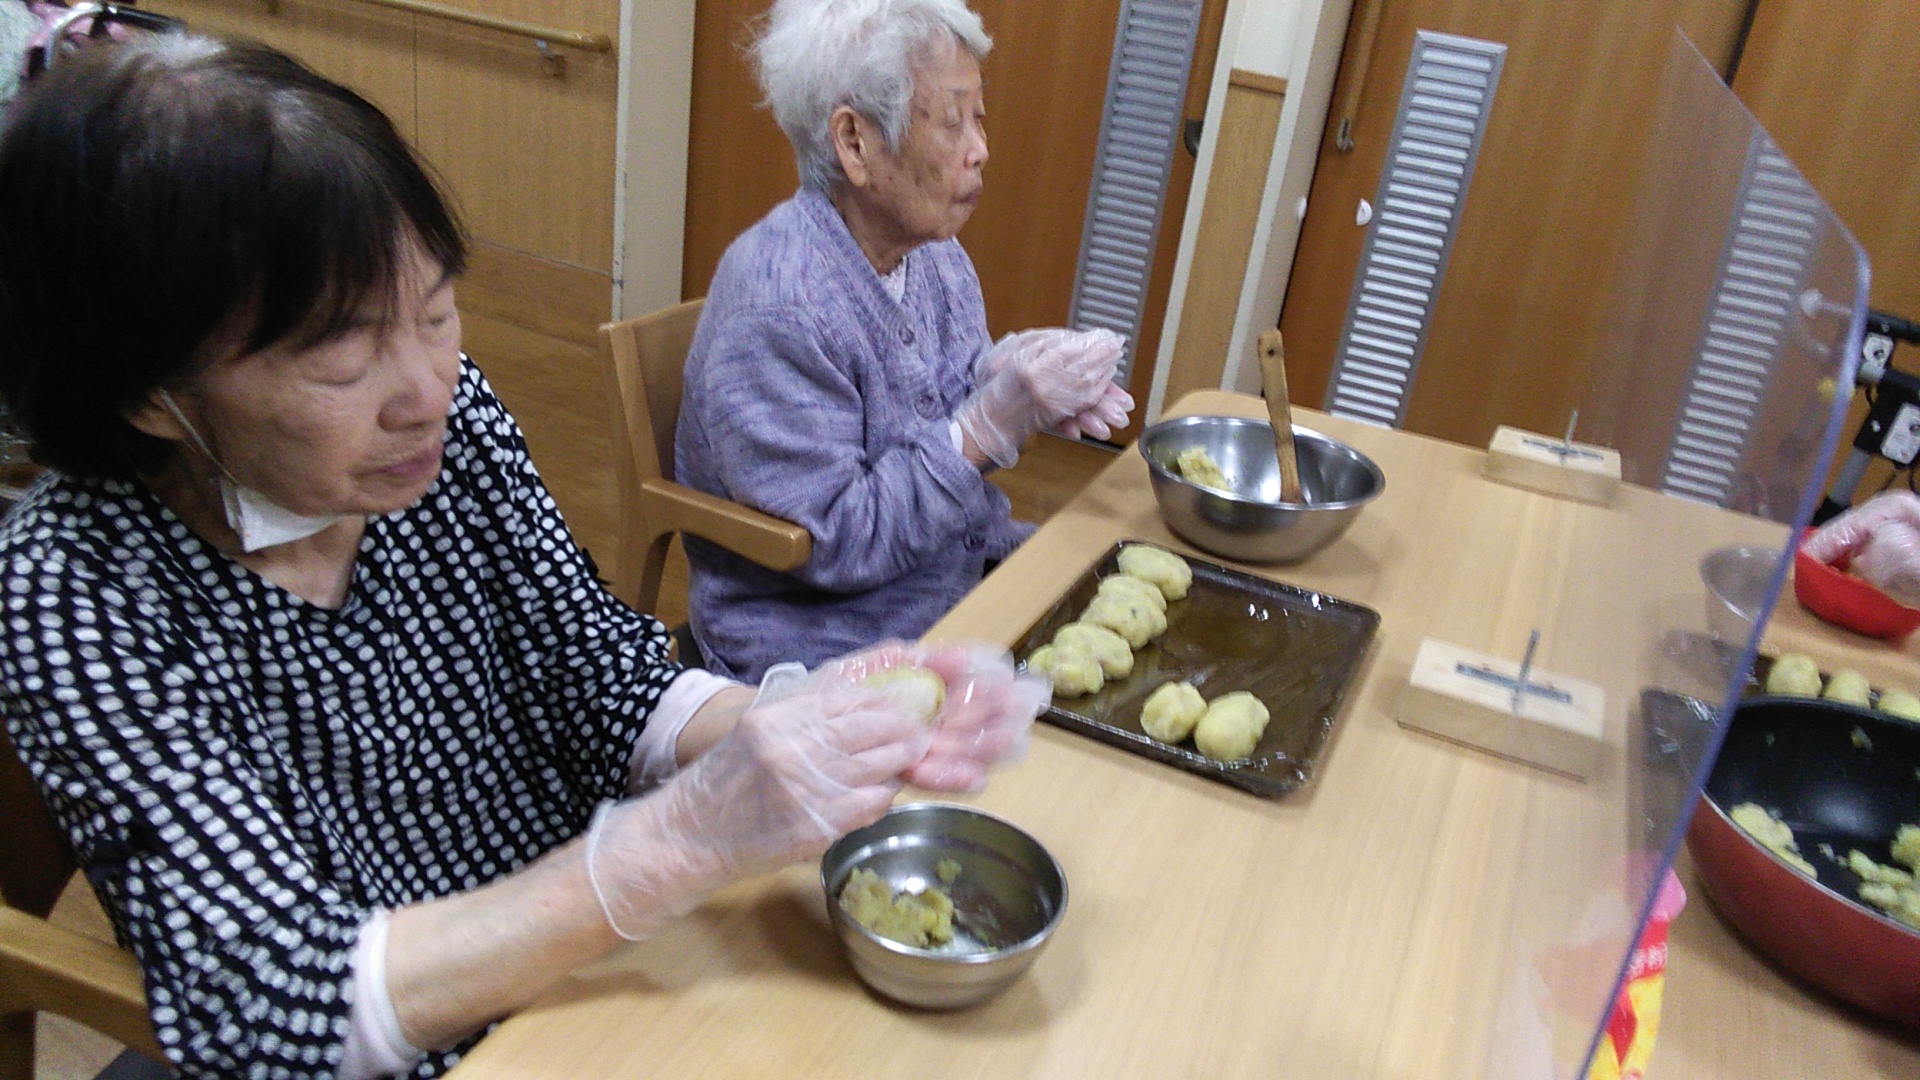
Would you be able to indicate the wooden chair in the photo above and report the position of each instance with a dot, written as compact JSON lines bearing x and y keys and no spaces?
{"x":647,"y":360}
{"x":44,"y":967}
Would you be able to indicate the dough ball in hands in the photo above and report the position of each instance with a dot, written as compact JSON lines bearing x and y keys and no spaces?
{"x":1109,"y":649}
{"x":1072,"y":672}
{"x":1172,"y":711}
{"x":1130,"y":586}
{"x":1849,"y":687}
{"x":987,"y":718}
{"x":1157,"y":567}
{"x":1231,"y":727}
{"x":1131,"y":618}
{"x":916,"y":691}
{"x":1794,"y":675}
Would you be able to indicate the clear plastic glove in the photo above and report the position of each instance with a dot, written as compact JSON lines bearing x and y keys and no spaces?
{"x":1879,"y":540}
{"x":983,"y":718}
{"x":815,"y":756}
{"x":1039,"y":379}
{"x":793,"y":776}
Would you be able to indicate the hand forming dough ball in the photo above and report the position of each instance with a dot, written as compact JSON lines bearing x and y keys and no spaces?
{"x":1850,"y":687}
{"x":1794,"y":675}
{"x":1130,"y":617}
{"x":1231,"y":727}
{"x":1198,"y":466}
{"x":1172,"y":711}
{"x":914,"y":690}
{"x":1901,"y":704}
{"x":1128,"y":585}
{"x":1111,"y":650}
{"x":1157,"y":567}
{"x":1074,"y":673}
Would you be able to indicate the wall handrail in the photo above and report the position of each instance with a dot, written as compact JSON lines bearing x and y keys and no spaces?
{"x":583,"y":40}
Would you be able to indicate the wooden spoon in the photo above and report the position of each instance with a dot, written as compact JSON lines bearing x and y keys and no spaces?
{"x":1273,"y":372}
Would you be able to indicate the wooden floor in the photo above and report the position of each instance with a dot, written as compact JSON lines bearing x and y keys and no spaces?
{"x":562,"y":438}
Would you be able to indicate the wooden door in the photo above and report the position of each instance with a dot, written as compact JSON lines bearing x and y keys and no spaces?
{"x":1844,"y":113}
{"x":1517,"y":317}
{"x":1836,"y":84}
{"x":1046,"y":82}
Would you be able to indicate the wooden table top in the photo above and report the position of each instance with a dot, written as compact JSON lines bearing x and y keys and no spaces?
{"x":1382,"y":922}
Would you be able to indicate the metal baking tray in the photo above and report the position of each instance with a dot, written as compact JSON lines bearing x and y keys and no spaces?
{"x":1294,"y":649}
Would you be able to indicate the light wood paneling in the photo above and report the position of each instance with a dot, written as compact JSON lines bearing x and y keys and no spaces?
{"x":556,"y":390}
{"x":1517,"y":319}
{"x":543,"y":296}
{"x":1248,"y":123}
{"x":1836,"y":84}
{"x":528,"y":155}
{"x":367,"y":48}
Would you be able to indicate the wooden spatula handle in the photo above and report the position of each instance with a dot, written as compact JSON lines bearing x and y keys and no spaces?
{"x":1273,"y":372}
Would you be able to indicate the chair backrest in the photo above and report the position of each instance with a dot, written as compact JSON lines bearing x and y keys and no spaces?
{"x":646,"y":362}
{"x":46,"y":967}
{"x":649,"y":364}
{"x":35,"y":861}
{"x":647,"y":359}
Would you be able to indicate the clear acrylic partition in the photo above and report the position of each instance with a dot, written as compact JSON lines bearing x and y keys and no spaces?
{"x":1736,"y":311}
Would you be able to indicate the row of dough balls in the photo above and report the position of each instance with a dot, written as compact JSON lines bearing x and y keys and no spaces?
{"x":1225,"y":729}
{"x":1796,"y":675}
{"x":1129,"y":610}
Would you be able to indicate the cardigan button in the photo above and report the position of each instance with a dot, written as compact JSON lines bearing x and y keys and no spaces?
{"x":906,"y":336}
{"x":926,"y":406}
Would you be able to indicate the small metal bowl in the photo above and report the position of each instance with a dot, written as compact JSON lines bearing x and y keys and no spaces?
{"x":1250,"y":523}
{"x":1737,"y":579}
{"x":1007,"y":899}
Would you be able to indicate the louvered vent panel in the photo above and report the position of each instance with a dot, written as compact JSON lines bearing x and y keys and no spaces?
{"x":1444,"y":105}
{"x":1761,"y":275}
{"x":1147,"y":84}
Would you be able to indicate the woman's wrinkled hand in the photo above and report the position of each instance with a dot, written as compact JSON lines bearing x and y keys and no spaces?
{"x":1879,"y":541}
{"x":985,"y":717}
{"x":793,"y":775}
{"x":817,"y":755}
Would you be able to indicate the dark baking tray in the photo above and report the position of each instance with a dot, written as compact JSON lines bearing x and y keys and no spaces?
{"x":1294,"y":649}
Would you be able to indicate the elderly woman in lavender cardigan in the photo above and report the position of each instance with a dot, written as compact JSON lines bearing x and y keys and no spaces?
{"x":842,"y":376}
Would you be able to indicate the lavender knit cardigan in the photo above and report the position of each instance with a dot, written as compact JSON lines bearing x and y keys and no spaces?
{"x":813,"y":396}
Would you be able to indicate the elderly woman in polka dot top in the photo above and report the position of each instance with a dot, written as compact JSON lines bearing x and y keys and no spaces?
{"x":842,"y":376}
{"x":353,"y":747}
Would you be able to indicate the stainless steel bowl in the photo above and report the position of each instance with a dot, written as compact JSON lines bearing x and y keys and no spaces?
{"x":1736,"y":579}
{"x":1007,"y":899}
{"x":1250,"y":523}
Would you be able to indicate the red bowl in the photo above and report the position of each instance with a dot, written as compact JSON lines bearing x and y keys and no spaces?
{"x":1847,"y":601}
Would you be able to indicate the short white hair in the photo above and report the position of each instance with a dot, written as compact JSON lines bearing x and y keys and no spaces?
{"x":813,"y":56}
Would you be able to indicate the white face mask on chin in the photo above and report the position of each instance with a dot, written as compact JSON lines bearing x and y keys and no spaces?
{"x":258,"y":521}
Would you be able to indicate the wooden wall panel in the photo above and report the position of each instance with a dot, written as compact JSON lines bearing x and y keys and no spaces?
{"x":367,"y":48}
{"x":1518,"y":317}
{"x":530,"y":156}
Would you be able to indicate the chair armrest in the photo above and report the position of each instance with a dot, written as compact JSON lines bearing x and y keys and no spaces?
{"x":48,"y":968}
{"x":763,"y":538}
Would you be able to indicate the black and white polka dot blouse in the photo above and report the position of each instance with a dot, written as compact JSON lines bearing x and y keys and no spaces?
{"x":245,"y":775}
